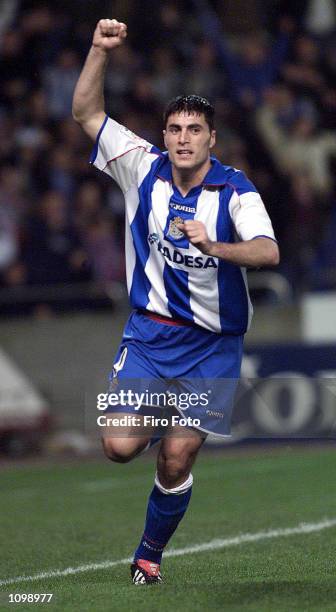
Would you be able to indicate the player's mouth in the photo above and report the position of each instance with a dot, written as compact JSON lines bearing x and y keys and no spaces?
{"x":184,"y":153}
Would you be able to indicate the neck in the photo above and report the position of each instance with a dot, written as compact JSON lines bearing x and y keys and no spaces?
{"x":189,"y":178}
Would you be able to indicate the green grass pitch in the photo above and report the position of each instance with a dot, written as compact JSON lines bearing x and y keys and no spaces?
{"x":68,"y":515}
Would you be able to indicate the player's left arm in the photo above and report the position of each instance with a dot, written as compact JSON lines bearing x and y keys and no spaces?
{"x":260,"y":251}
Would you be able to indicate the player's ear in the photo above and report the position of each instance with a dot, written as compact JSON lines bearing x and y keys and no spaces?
{"x":212,"y":139}
{"x":164,"y":137}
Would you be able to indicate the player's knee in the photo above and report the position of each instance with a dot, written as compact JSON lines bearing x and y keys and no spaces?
{"x":172,"y":468}
{"x":117,"y":450}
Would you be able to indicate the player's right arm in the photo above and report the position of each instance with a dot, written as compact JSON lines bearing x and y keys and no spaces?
{"x":118,"y":152}
{"x":88,"y":102}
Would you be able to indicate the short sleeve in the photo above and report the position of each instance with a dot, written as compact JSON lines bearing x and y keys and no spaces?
{"x":248,"y":211}
{"x":120,"y":153}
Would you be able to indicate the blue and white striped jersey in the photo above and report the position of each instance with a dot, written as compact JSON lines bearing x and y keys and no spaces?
{"x":165,"y":273}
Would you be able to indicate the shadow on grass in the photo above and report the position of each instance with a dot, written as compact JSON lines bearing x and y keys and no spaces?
{"x":294,"y":595}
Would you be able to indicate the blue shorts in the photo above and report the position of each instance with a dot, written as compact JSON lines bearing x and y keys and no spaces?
{"x":184,"y":370}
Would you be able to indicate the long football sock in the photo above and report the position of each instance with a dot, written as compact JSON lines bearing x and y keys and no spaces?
{"x":166,"y":508}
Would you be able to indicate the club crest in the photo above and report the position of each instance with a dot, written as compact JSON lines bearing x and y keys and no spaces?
{"x":173,"y":230}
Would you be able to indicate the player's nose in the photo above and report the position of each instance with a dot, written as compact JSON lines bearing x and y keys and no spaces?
{"x":184,"y":136}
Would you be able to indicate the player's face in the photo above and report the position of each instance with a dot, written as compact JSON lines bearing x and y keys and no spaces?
{"x":188,"y":140}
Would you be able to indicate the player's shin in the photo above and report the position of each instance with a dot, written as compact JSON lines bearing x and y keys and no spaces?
{"x":166,"y":508}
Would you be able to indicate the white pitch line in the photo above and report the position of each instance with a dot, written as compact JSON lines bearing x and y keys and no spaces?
{"x":243,"y":538}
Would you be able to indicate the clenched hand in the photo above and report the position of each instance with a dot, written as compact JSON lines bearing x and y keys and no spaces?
{"x":109,"y":34}
{"x":197,"y":234}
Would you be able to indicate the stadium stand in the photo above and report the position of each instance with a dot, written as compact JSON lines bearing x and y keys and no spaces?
{"x":273,"y":83}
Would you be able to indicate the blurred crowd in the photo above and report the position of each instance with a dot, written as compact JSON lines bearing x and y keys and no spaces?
{"x":274,"y":87}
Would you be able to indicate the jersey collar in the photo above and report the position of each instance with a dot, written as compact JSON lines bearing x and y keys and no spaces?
{"x":215,"y":177}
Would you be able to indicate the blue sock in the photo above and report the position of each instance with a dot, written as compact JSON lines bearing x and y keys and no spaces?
{"x":164,"y":512}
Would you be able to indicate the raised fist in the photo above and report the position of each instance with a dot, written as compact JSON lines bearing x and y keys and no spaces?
{"x":109,"y":34}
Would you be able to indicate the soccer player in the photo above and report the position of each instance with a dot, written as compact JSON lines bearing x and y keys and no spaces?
{"x":192,"y":226}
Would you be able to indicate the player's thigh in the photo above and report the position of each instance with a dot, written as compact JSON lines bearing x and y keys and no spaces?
{"x":177,"y":455}
{"x":125,"y":435}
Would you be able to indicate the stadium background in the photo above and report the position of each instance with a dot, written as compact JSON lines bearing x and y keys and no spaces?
{"x":269,"y":66}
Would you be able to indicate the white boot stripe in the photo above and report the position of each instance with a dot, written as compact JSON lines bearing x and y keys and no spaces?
{"x":140,"y":577}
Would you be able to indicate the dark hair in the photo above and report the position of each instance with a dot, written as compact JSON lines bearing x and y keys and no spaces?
{"x":191,"y":104}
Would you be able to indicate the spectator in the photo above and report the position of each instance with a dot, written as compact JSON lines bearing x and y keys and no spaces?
{"x":307,"y":214}
{"x":120,"y":75}
{"x":104,"y":251}
{"x":15,"y":71}
{"x":203,"y":77}
{"x":61,"y":177}
{"x":53,"y":252}
{"x":54,"y":222}
{"x":305,"y":74}
{"x":320,"y":18}
{"x":298,"y":147}
{"x":166,"y":80}
{"x":256,"y":66}
{"x":8,"y":241}
{"x":45,"y":33}
{"x":322,"y":272}
{"x":59,"y":82}
{"x":88,"y":206}
{"x":8,"y":10}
